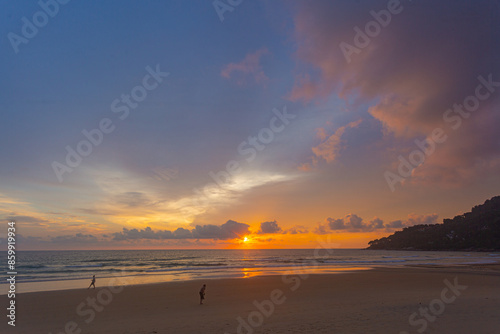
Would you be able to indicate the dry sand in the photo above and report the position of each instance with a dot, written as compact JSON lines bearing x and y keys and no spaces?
{"x":375,"y":301}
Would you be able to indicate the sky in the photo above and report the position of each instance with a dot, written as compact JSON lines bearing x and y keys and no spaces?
{"x":244,"y":124}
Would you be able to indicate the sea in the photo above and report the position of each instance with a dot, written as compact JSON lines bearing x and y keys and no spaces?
{"x":59,"y":270}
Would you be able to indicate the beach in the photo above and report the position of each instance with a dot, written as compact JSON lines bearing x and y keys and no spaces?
{"x":382,"y":300}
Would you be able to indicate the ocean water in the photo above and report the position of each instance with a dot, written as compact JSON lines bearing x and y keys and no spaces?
{"x":55,"y":270}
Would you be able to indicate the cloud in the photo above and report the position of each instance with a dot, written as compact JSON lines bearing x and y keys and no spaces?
{"x":297,"y":229}
{"x":228,"y":230}
{"x":322,"y":228}
{"x":212,"y":195}
{"x":71,"y":240}
{"x":248,"y":67}
{"x":26,"y":219}
{"x":27,"y":239}
{"x":427,"y":59}
{"x":98,"y":212}
{"x":22,"y":240}
{"x":133,"y":199}
{"x":164,"y":173}
{"x":10,"y":201}
{"x":336,"y":224}
{"x":414,"y":219}
{"x":272,"y":227}
{"x":332,"y":145}
{"x":78,"y":238}
{"x":395,"y":224}
{"x":353,"y":223}
{"x":269,"y":227}
{"x":85,"y":240}
{"x":349,"y":222}
{"x":376,"y":223}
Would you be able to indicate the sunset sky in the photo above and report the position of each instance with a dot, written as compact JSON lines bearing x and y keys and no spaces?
{"x":192,"y":124}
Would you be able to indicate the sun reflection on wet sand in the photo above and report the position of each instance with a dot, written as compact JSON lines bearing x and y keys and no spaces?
{"x":253,"y":272}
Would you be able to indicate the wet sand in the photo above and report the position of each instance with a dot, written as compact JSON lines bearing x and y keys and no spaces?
{"x":383,"y":300}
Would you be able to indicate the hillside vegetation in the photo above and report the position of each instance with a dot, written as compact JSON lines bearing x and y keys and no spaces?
{"x":477,"y":230}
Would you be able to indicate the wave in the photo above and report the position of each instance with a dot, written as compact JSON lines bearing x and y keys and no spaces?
{"x":84,"y":266}
{"x":365,"y":261}
{"x":176,"y":258}
{"x":31,"y":266}
{"x":72,"y":271}
{"x":481,"y":262}
{"x":43,"y":267}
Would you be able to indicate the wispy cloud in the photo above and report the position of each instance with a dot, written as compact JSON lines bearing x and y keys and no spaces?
{"x":213,"y":195}
{"x":249,"y":67}
{"x":331,"y":146}
{"x":26,"y":219}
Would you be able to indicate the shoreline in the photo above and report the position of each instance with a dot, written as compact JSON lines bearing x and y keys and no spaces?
{"x":477,"y":269}
{"x":136,"y":280}
{"x":379,"y":300}
{"x":57,"y":271}
{"x":132,"y":280}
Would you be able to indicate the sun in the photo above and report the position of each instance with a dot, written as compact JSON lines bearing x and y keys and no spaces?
{"x":246,"y":241}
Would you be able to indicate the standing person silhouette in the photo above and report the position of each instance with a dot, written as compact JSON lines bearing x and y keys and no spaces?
{"x":92,"y":283}
{"x":202,"y":293}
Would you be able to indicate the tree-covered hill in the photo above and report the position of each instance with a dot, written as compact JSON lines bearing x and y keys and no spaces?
{"x":476,"y":230}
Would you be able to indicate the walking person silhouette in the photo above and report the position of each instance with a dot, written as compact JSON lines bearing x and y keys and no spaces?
{"x":92,"y":283}
{"x":202,"y":293}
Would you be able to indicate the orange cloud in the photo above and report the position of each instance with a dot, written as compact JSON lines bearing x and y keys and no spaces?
{"x":330,"y":148}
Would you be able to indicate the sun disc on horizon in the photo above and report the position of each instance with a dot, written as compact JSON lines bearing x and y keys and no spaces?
{"x":245,"y":239}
